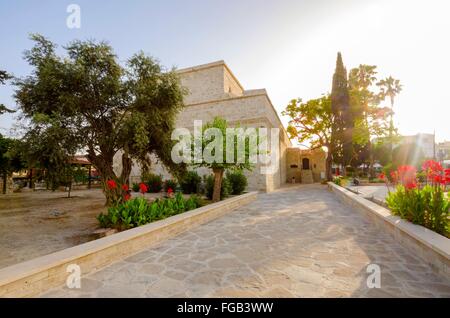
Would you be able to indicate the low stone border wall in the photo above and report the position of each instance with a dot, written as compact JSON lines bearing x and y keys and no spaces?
{"x":433,"y":248}
{"x":33,"y":277}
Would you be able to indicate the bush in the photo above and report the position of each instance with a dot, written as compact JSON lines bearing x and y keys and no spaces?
{"x":153,"y":182}
{"x":338,"y":180}
{"x":238,"y":182}
{"x":135,"y":187}
{"x":139,"y":211}
{"x":190,"y":182}
{"x":170,"y":184}
{"x":427,"y":206}
{"x":224,"y":191}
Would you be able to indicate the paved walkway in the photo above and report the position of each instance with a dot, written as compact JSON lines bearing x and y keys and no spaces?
{"x":296,"y":242}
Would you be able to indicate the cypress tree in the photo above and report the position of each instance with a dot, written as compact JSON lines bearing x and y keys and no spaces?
{"x":343,"y":121}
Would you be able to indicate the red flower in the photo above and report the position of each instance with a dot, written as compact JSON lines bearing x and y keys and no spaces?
{"x":125,"y":187}
{"x":410,"y":185}
{"x":143,"y":188}
{"x":407,"y":176}
{"x":382,"y":176}
{"x":111,"y":184}
{"x":169,"y":190}
{"x":439,"y":179}
{"x":432,"y":168}
{"x":447,"y":172}
{"x":127,"y":197}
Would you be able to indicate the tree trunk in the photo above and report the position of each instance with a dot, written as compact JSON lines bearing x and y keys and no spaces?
{"x":371,"y":162}
{"x":5,"y":180}
{"x":31,"y":179}
{"x":218,"y":176}
{"x":70,"y":189}
{"x":329,"y":167}
{"x":126,"y":169}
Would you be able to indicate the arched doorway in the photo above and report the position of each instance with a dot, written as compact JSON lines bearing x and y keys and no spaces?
{"x":305,"y":164}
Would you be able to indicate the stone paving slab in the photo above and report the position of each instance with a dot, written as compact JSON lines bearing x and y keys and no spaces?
{"x":295,"y":242}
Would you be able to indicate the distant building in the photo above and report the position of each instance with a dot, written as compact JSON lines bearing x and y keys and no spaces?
{"x":443,"y":150}
{"x":425,"y":142}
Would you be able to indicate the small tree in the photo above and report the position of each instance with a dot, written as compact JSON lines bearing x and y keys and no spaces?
{"x":312,"y":121}
{"x":215,"y":133}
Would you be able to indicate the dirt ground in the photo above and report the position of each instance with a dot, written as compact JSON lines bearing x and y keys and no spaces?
{"x":37,"y":223}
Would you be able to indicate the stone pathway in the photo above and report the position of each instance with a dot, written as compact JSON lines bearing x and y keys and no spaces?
{"x":296,"y":242}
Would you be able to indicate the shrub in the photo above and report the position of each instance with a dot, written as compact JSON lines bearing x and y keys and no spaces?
{"x":427,"y":206}
{"x":224,"y":191}
{"x":139,"y":211}
{"x":172,"y":184}
{"x":135,"y":187}
{"x":338,"y":180}
{"x":153,"y":182}
{"x":190,"y":182}
{"x":238,"y":182}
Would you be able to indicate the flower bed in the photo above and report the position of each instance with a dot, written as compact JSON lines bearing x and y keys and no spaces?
{"x":139,"y":211}
{"x":425,"y":203}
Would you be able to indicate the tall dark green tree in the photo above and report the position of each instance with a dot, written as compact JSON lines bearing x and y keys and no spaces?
{"x":342,"y":131}
{"x":101,"y":107}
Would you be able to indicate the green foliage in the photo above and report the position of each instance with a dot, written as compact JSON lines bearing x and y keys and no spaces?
{"x":225,"y":189}
{"x":4,"y":76}
{"x":190,"y":182}
{"x":88,"y":100}
{"x":139,"y":211}
{"x":238,"y":181}
{"x":427,"y":206}
{"x":338,"y":180}
{"x":310,"y":121}
{"x":153,"y":182}
{"x":221,"y":125}
{"x":11,"y":158}
{"x":219,"y":151}
{"x":170,"y":184}
{"x":135,"y":187}
{"x":343,"y":119}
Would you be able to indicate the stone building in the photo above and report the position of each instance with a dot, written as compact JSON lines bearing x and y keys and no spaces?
{"x":215,"y":91}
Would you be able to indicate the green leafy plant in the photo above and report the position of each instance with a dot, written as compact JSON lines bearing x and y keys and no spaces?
{"x":338,"y":180}
{"x":190,"y":182}
{"x":170,"y":184}
{"x":153,"y":181}
{"x":135,"y":187}
{"x":238,"y":181}
{"x":225,"y":189}
{"x":139,"y":211}
{"x":427,"y":206}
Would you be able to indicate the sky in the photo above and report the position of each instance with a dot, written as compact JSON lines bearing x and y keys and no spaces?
{"x":288,"y":47}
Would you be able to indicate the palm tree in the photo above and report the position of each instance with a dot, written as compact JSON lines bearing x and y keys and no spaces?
{"x":390,"y":87}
